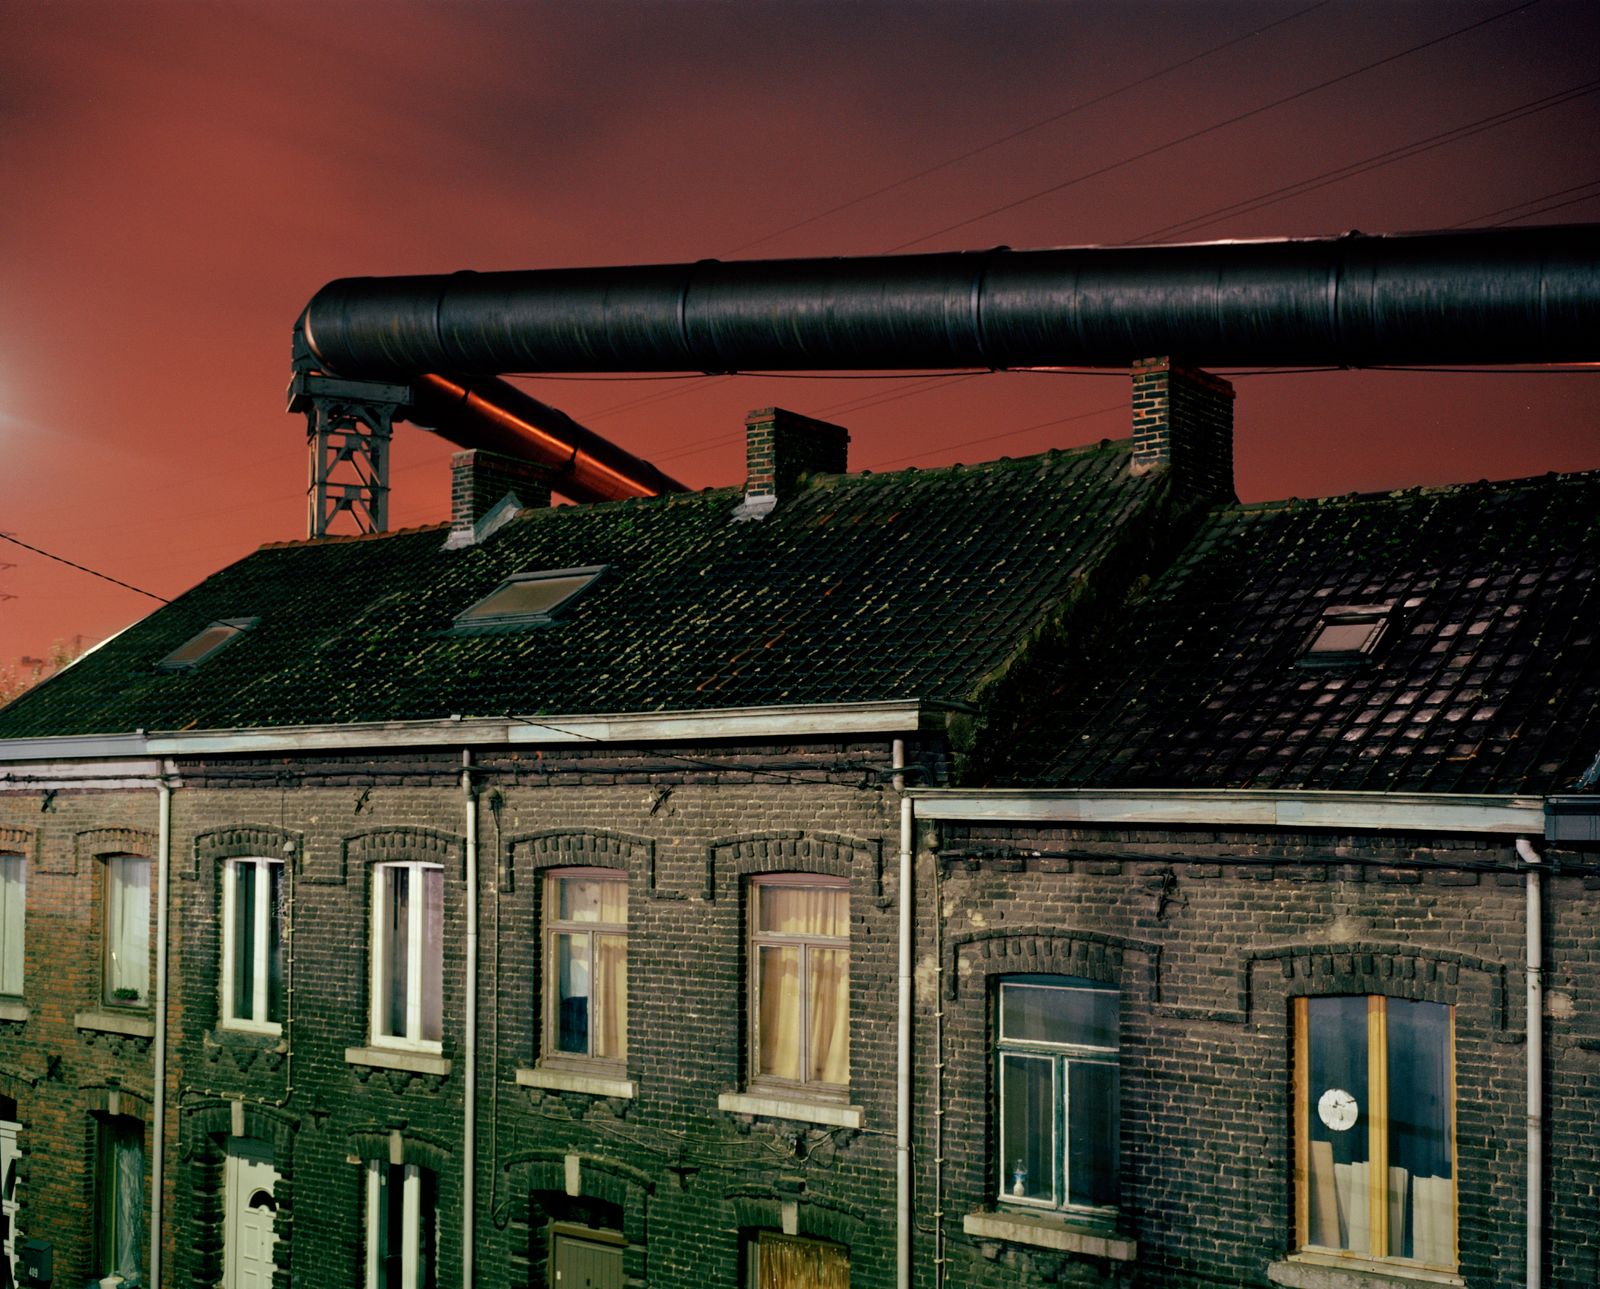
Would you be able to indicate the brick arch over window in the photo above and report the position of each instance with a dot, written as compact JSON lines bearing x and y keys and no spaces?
{"x":527,"y":854}
{"x":97,"y":843}
{"x":730,"y":859}
{"x":1092,"y":955}
{"x":1398,"y":971}
{"x":387,"y":845}
{"x":244,"y":841}
{"x":369,"y":1144}
{"x":818,"y":1218}
{"x":204,"y":1132}
{"x":544,"y":1172}
{"x":113,"y":1098}
{"x":19,"y":841}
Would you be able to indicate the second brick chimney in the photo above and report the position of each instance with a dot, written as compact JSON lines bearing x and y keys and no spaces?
{"x":1183,"y":421}
{"x":480,"y":481}
{"x":781,"y":449}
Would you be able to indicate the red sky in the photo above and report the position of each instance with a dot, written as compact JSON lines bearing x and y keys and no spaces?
{"x":180,"y":178}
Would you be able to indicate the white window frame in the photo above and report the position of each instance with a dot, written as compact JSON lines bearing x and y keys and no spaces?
{"x":411,"y":1223}
{"x":600,"y":1004}
{"x":1062,"y":1053}
{"x":257,"y":1020}
{"x":115,"y":885}
{"x":805,"y":943}
{"x":13,"y":921}
{"x":418,"y":976}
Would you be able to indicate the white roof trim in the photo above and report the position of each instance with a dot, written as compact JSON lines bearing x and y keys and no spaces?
{"x":1243,"y":807}
{"x":504,"y":731}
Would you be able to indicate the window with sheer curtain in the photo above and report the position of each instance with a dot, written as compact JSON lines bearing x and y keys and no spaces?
{"x":1375,"y":1129}
{"x":408,"y":955}
{"x":127,"y":930}
{"x":252,"y":945}
{"x":586,"y":965}
{"x":119,"y":1197}
{"x":402,"y":1226}
{"x":800,"y":981}
{"x":12,"y":891}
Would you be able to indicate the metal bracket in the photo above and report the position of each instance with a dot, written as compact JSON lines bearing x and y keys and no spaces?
{"x":348,"y":427}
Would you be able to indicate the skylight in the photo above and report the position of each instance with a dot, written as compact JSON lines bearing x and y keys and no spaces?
{"x":197,"y":649}
{"x":529,"y":599}
{"x":1347,"y":634}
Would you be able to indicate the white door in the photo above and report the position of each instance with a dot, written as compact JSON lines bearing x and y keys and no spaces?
{"x":251,"y":1210}
{"x":8,"y":1189}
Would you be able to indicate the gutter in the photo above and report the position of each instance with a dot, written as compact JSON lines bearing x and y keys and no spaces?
{"x":158,"y":1129}
{"x":1243,"y":807}
{"x":1534,"y":1020}
{"x":902,"y":1100}
{"x":469,"y":1130}
{"x":897,"y":716}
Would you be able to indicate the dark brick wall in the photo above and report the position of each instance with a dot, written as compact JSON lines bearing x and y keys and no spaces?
{"x":782,"y":446}
{"x":1183,"y":420}
{"x":1209,"y":934}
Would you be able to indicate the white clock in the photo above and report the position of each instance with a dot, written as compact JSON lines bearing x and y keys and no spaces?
{"x":1337,"y":1109}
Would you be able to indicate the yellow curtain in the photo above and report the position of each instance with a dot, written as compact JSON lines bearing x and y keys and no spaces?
{"x":830,"y":1016}
{"x":611,"y":972}
{"x":778,"y":1024}
{"x":802,"y":1264}
{"x":804,"y":910}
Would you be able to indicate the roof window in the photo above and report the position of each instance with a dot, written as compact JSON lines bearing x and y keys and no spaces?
{"x":1347,"y":635}
{"x":197,"y":649}
{"x":529,"y":599}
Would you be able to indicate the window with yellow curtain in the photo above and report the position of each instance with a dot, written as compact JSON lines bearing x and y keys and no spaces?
{"x":586,"y":964}
{"x":1375,"y":1129}
{"x":790,"y":1262}
{"x":800,"y":980}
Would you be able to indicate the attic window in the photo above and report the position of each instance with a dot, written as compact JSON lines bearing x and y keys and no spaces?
{"x":1349,"y":634}
{"x":529,"y":599}
{"x":198,"y":648}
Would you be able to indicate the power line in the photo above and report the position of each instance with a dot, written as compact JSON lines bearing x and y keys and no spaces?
{"x":1192,"y":135}
{"x":1030,"y":128}
{"x":1375,"y":162}
{"x":84,"y":568}
{"x":1537,"y":202}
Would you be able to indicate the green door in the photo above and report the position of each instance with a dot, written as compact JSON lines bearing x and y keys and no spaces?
{"x":583,"y":1262}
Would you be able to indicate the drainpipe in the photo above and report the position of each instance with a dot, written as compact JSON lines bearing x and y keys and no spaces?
{"x":1535,"y":1051}
{"x":158,"y":1131}
{"x":902,"y":1109}
{"x":469,"y":1131}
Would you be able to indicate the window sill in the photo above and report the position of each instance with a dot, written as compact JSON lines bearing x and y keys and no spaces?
{"x":595,"y":1085}
{"x":394,"y":1058}
{"x":1050,"y":1232}
{"x":13,"y":1009}
{"x":1301,"y":1272}
{"x":116,"y":1023}
{"x":834,"y":1114}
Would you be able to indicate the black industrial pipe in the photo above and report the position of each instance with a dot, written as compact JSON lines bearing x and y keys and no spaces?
{"x":1524,"y":295}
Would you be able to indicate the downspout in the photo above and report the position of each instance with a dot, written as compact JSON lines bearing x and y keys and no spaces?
{"x":1535,"y":1050}
{"x":469,"y":1130}
{"x":158,"y":1129}
{"x":902,"y":1109}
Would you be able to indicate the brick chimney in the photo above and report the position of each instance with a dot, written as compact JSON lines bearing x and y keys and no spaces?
{"x":782,"y":447}
{"x":1183,"y":421}
{"x":480,"y":481}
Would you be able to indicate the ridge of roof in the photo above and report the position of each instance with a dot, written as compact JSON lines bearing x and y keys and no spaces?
{"x":1549,"y":478}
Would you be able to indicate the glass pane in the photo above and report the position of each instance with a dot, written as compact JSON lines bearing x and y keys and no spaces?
{"x":1421,"y":1176}
{"x":433,"y":954}
{"x":828,"y":1042}
{"x":1092,"y":1133}
{"x":1027,"y":1127}
{"x":244,"y":938}
{"x":536,"y":595}
{"x":1344,"y":637}
{"x":778,"y":1012}
{"x":11,"y":923}
{"x":275,"y":951}
{"x":391,"y":1224}
{"x":199,"y":646}
{"x":572,"y":993}
{"x":128,"y":1242}
{"x":129,"y":928}
{"x":803,"y":910}
{"x":592,"y":899}
{"x":1337,"y":1111}
{"x":394,"y":961}
{"x":428,"y":1230}
{"x":1080,"y":1012}
{"x":611,"y":975}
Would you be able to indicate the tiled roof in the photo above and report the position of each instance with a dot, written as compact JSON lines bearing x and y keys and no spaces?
{"x":1489,"y":682}
{"x":860,"y":588}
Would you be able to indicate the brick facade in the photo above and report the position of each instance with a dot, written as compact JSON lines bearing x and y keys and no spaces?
{"x":1207,"y":935}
